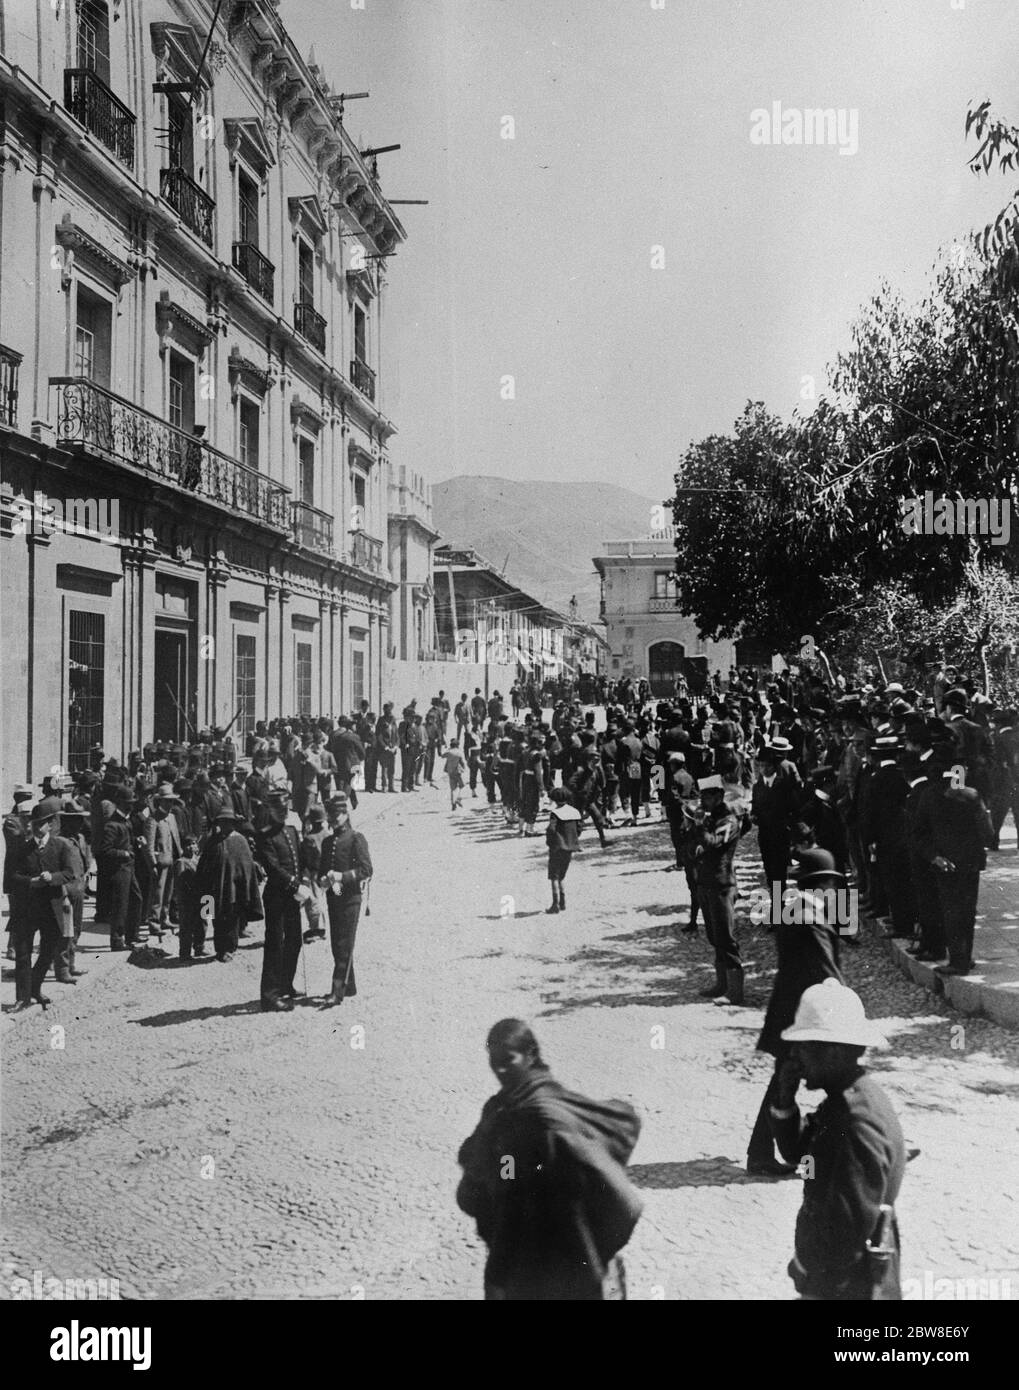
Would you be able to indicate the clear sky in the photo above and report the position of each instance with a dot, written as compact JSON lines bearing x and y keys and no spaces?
{"x":632,"y":130}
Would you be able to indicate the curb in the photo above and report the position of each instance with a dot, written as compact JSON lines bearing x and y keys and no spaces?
{"x":967,"y":995}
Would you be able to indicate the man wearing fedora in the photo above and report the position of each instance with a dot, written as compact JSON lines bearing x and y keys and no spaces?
{"x":279,"y":851}
{"x":166,"y":847}
{"x":344,"y":866}
{"x":883,"y":827}
{"x":851,"y":1148}
{"x":42,"y":867}
{"x":807,"y":946}
{"x":116,"y":860}
{"x":776,"y":795}
{"x":972,"y":741}
{"x":16,"y":827}
{"x":715,"y":841}
{"x":951,"y":831}
{"x":226,"y":874}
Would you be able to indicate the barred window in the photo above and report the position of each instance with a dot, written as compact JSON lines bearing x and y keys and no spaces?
{"x":245,"y":682}
{"x":85,"y":686}
{"x":357,"y":675}
{"x":304,"y":678}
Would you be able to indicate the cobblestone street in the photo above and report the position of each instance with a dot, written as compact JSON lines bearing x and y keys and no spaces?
{"x":190,"y":1146}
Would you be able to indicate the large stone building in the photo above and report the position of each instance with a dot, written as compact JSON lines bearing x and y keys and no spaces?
{"x":193,"y":427}
{"x":647,"y":635}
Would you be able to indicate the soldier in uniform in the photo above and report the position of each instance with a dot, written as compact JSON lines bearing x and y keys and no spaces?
{"x":278,"y":850}
{"x":344,"y":865}
{"x":854,"y":1150}
{"x":717,"y":834}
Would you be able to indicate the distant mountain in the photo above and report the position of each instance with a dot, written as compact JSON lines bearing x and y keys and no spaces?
{"x":545,"y":532}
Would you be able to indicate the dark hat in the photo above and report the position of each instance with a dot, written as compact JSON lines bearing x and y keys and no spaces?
{"x":69,"y":807}
{"x":46,"y":809}
{"x":228,"y":814}
{"x":277,"y":794}
{"x":339,"y":801}
{"x":343,"y":722}
{"x":958,"y":699}
{"x":814,"y":864}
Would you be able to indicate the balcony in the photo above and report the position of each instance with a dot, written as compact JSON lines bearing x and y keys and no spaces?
{"x":662,"y":605}
{"x":90,"y":101}
{"x":259,"y":272}
{"x":10,"y":361}
{"x":93,"y":419}
{"x":365,"y":552}
{"x":363,"y":377}
{"x":312,"y":529}
{"x":310,"y":325}
{"x":189,"y":201}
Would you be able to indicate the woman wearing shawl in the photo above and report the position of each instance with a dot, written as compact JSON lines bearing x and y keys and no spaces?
{"x":545,"y":1179}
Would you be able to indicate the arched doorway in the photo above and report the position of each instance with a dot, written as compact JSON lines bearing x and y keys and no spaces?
{"x":664,"y":663}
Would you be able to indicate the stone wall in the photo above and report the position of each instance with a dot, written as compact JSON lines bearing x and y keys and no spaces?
{"x":403,"y":680}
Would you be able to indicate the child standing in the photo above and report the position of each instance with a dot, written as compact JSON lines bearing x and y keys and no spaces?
{"x":562,"y":838}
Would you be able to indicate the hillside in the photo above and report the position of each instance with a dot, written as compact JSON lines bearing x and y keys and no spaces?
{"x":548,"y":530}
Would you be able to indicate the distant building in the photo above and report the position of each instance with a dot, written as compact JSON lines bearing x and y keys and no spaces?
{"x":411,"y":543}
{"x":647,"y":635}
{"x":480,"y":616}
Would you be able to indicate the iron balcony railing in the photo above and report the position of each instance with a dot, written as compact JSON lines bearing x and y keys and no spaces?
{"x":105,"y":116}
{"x":258,"y":271}
{"x":662,"y":605}
{"x":92,"y":418}
{"x":189,"y":201}
{"x":310,"y":325}
{"x":10,"y":361}
{"x":312,"y":528}
{"x":363,"y":377}
{"x":365,"y":552}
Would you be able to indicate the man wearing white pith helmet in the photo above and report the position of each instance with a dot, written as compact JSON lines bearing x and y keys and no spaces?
{"x":847,"y":1239}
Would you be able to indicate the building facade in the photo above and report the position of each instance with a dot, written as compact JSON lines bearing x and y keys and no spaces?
{"x":647,"y":635}
{"x":480,"y":616}
{"x":193,"y":437}
{"x":411,"y":544}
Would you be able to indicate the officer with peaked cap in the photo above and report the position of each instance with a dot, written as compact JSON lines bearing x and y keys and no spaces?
{"x":344,"y":866}
{"x":851,"y":1150}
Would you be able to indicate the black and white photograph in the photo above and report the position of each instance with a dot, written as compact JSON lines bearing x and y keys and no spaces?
{"x":510,"y":670}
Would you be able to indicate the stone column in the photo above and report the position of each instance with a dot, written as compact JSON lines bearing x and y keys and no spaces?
{"x":285,"y":663}
{"x":272,"y":657}
{"x":341,"y":665}
{"x":217,"y":655}
{"x":324,"y":654}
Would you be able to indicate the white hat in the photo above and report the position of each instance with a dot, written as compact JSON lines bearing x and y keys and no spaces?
{"x":710,"y":784}
{"x":830,"y":1012}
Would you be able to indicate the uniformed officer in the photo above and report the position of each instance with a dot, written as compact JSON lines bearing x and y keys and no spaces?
{"x":344,"y":866}
{"x":852,"y":1150}
{"x":278,"y":850}
{"x":715,"y":845}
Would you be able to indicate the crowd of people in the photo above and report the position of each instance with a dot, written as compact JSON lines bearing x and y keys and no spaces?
{"x":897,"y":793}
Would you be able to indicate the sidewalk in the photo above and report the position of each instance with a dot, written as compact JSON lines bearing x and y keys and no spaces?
{"x":992,"y":989}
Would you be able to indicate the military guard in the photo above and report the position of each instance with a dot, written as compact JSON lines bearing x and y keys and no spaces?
{"x":344,"y":867}
{"x":278,"y":850}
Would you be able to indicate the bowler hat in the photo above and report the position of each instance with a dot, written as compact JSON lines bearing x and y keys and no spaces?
{"x":45,"y":810}
{"x":815,"y":864}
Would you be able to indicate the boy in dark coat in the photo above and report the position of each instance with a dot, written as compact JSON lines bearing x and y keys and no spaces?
{"x":563,"y":840}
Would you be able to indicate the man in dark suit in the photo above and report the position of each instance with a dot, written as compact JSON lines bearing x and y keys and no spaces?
{"x":1004,"y":771}
{"x":278,"y":850}
{"x":808,"y":952}
{"x":953,"y":830}
{"x":348,"y":750}
{"x":344,"y":865}
{"x":774,"y":801}
{"x":43,"y":864}
{"x":883,"y":826}
{"x":972,"y":741}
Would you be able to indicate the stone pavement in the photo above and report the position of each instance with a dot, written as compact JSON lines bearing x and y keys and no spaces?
{"x":161,"y":1130}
